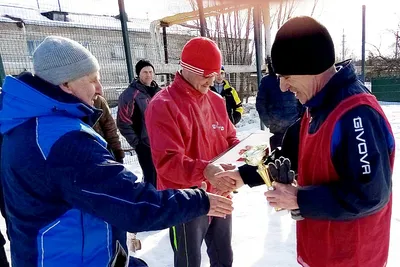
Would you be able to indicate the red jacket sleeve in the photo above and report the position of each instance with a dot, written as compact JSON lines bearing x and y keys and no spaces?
{"x":168,"y":152}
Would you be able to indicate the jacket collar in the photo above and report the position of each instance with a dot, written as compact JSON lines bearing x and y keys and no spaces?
{"x":185,"y":87}
{"x":28,"y":96}
{"x":345,"y":75}
{"x":144,"y":88}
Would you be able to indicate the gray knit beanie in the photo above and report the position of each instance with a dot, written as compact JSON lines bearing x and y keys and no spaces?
{"x":58,"y":60}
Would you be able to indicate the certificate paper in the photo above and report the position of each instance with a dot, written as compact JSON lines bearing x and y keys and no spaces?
{"x":233,"y":154}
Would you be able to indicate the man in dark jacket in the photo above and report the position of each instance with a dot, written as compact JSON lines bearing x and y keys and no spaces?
{"x":278,"y":110}
{"x":345,"y":152}
{"x":132,"y":104}
{"x":69,"y":203}
{"x":107,"y":128}
{"x":233,"y":104}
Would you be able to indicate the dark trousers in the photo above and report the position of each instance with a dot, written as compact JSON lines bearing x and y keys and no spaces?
{"x":276,"y":140}
{"x":146,"y":163}
{"x":3,"y":258}
{"x":186,"y":240}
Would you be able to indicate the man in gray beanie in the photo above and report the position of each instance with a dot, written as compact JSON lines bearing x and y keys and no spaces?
{"x":68,"y":201}
{"x":344,"y":149}
{"x":59,"y":60}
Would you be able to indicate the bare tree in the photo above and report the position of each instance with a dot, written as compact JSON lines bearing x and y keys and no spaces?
{"x":231,"y":31}
{"x":285,"y":10}
{"x":380,"y":65}
{"x":314,"y":7}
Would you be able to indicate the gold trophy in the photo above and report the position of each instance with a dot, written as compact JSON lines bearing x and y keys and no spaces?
{"x":255,"y":157}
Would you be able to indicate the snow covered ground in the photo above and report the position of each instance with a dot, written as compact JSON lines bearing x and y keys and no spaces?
{"x":261,"y":236}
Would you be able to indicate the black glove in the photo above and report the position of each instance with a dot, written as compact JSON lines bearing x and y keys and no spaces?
{"x":236,"y":117}
{"x":280,"y":171}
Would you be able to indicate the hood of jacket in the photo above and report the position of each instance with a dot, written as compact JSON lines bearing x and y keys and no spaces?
{"x":28,"y":96}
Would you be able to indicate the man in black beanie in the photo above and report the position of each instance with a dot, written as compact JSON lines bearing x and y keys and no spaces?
{"x":344,"y":149}
{"x":132,"y":105}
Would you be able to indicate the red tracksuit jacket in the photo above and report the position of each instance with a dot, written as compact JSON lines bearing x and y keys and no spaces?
{"x":186,"y":129}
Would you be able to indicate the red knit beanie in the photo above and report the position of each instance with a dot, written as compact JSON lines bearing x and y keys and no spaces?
{"x":201,"y":56}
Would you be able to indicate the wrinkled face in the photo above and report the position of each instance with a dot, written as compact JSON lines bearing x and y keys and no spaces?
{"x":200,"y":83}
{"x":86,"y":88}
{"x":303,"y":86}
{"x":220,"y":77}
{"x":146,"y":75}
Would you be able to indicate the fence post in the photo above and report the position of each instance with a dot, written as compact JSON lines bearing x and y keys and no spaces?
{"x":257,"y":42}
{"x":124,"y":18}
{"x":2,"y":72}
{"x":165,"y":43}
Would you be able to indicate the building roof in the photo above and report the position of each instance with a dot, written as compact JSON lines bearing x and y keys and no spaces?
{"x":93,"y":21}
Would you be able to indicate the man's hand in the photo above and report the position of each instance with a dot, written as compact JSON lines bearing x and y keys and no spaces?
{"x":222,"y":185}
{"x":219,"y":206}
{"x":284,"y":196}
{"x":229,"y":176}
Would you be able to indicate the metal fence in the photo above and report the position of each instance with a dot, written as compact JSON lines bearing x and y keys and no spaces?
{"x":22,"y":29}
{"x":386,"y":88}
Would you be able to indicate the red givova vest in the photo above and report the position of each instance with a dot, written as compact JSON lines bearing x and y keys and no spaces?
{"x":362,"y":242}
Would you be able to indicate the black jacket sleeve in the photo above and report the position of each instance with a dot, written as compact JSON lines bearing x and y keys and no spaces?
{"x":361,"y":147}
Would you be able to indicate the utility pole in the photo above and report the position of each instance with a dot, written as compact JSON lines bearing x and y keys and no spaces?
{"x":363,"y":46}
{"x":397,"y":45}
{"x":59,"y":5}
{"x":343,"y":46}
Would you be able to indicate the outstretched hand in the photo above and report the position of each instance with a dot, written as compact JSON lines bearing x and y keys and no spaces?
{"x":219,"y":206}
{"x":229,"y":176}
{"x":221,"y":185}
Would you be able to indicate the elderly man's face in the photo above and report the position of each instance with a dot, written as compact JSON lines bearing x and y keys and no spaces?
{"x":303,"y":86}
{"x":86,"y":88}
{"x":200,"y":83}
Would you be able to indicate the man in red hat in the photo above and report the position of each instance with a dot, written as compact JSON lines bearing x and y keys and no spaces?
{"x":186,"y":131}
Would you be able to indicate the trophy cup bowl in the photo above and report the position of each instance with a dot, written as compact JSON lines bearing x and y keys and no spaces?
{"x":255,"y":157}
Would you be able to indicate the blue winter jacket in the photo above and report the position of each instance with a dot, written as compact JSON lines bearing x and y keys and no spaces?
{"x":69,"y":202}
{"x":278,"y":110}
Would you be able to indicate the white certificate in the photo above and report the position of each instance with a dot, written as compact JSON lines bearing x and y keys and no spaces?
{"x":233,"y":154}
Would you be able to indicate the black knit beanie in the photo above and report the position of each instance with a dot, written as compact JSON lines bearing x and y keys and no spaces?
{"x":141,"y":64}
{"x":302,"y":46}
